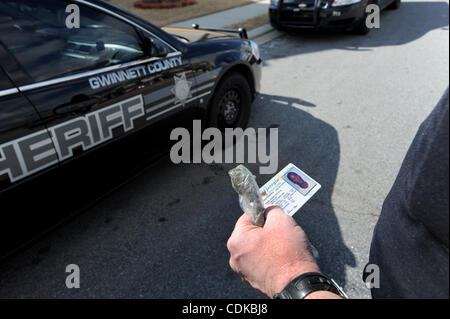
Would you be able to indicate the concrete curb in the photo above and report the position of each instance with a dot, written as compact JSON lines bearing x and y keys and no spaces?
{"x":236,"y":15}
{"x":264,"y":34}
{"x":260,"y":31}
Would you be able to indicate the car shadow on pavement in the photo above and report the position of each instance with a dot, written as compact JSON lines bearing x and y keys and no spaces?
{"x":313,"y":146}
{"x":397,"y":27}
{"x":287,"y":101}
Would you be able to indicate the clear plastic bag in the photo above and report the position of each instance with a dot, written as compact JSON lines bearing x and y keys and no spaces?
{"x":244,"y":183}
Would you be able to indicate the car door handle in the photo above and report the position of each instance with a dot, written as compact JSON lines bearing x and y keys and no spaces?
{"x":79,"y":107}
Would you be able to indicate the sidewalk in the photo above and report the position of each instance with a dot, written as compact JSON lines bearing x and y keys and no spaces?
{"x":227,"y":17}
{"x":233,"y":16}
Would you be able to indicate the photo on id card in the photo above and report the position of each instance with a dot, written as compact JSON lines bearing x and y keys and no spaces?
{"x":302,"y":183}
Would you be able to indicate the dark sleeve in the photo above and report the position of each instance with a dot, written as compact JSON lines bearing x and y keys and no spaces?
{"x":410,"y":240}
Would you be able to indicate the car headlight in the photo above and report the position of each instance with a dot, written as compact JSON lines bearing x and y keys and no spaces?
{"x":337,"y":3}
{"x":274,"y":2}
{"x":255,"y":50}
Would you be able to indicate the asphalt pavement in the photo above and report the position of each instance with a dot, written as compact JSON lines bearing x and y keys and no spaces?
{"x":347,"y":108}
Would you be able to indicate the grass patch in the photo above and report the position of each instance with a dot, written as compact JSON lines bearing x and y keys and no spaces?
{"x":252,"y":23}
{"x":163,"y":17}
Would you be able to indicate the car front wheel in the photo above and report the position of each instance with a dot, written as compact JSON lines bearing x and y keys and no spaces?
{"x":231,"y":104}
{"x":361,"y":28}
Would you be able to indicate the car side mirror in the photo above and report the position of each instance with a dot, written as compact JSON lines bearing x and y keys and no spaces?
{"x":156,"y":48}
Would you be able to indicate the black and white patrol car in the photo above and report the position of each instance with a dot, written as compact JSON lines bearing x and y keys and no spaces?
{"x":82,"y":107}
{"x":336,"y":14}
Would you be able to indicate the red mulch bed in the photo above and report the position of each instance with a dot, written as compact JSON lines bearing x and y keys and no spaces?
{"x":145,"y":5}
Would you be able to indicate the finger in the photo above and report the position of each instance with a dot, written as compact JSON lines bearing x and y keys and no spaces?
{"x":270,"y":208}
{"x":275,"y":215}
{"x":241,"y":221}
{"x":245,"y":219}
{"x":244,"y":223}
{"x":232,"y":264}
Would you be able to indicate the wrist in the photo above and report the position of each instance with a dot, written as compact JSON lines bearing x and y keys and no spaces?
{"x":288,"y":273}
{"x":323,"y":294}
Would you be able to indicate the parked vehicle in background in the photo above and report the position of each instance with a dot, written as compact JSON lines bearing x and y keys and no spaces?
{"x":342,"y":14}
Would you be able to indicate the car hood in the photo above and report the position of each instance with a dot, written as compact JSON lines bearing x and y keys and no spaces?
{"x":195,"y":35}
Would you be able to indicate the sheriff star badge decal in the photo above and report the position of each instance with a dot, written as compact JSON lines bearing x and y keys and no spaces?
{"x":182,"y":89}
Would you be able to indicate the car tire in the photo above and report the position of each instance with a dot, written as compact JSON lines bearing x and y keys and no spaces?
{"x":277,"y":26}
{"x":395,"y":5}
{"x":231,"y":103}
{"x":361,"y":28}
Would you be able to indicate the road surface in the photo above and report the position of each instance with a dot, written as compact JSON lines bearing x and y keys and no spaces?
{"x":347,"y":108}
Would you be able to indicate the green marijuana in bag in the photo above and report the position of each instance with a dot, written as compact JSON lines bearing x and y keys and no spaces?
{"x":244,"y":183}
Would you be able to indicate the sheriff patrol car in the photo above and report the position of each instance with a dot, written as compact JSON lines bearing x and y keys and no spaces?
{"x":104,"y":94}
{"x":342,"y":14}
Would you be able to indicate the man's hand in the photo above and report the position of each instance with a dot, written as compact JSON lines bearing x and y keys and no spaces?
{"x":270,"y":257}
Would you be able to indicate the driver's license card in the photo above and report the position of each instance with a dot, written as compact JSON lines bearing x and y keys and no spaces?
{"x":290,"y":189}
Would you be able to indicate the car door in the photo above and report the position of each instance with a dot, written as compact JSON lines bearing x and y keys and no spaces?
{"x":25,"y":148}
{"x":96,"y":83}
{"x":90,"y":89}
{"x":25,"y":144}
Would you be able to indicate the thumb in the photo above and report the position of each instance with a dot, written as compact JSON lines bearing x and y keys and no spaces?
{"x":275,"y":216}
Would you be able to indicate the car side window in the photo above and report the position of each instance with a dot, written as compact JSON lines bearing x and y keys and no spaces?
{"x":5,"y":83}
{"x":35,"y":32}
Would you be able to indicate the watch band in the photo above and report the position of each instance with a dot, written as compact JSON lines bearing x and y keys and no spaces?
{"x":308,"y":283}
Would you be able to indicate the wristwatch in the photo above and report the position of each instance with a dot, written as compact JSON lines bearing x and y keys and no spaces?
{"x":308,"y":283}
